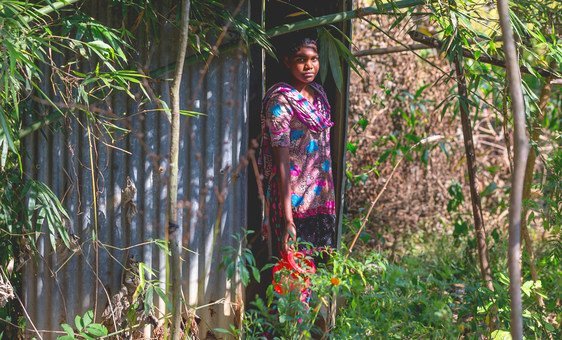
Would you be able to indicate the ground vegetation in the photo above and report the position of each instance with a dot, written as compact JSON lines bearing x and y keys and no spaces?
{"x":431,"y":156}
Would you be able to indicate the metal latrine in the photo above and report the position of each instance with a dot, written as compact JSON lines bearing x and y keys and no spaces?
{"x":90,"y":172}
{"x":74,"y":155}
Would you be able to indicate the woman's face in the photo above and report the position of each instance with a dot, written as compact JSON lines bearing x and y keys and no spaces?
{"x":304,"y":64}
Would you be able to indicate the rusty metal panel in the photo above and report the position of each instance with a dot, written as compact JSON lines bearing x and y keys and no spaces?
{"x":59,"y":285}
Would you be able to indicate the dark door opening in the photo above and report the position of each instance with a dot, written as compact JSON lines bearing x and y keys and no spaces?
{"x":266,"y":71}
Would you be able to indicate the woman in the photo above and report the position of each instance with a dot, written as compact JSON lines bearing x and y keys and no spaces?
{"x":295,"y":153}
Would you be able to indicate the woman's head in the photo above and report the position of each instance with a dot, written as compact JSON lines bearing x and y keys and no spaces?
{"x":299,"y":53}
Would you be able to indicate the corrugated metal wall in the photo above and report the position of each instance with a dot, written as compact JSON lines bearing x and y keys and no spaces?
{"x":58,"y":286}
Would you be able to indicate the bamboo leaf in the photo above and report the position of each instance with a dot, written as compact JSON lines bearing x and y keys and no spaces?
{"x":335,"y":65}
{"x":6,"y":133}
{"x":323,"y":42}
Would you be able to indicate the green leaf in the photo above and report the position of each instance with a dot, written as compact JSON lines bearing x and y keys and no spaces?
{"x":88,"y":318}
{"x":66,"y":337}
{"x":527,"y":287}
{"x":425,"y":156}
{"x":6,"y":133}
{"x":461,"y":228}
{"x":188,"y":113}
{"x":398,"y":20}
{"x":78,"y":323}
{"x":244,"y":276}
{"x":96,"y":330}
{"x":363,"y":122}
{"x":222,"y":330}
{"x":160,"y":292}
{"x":501,"y":335}
{"x":489,"y":189}
{"x":443,"y":148}
{"x":256,"y":274}
{"x":66,"y":327}
{"x":335,"y":65}
{"x":351,"y":147}
{"x":323,"y":41}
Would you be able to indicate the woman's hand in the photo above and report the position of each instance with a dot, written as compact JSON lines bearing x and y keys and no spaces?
{"x":289,"y":236}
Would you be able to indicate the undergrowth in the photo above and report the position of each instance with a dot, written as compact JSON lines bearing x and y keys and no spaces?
{"x":433,"y":291}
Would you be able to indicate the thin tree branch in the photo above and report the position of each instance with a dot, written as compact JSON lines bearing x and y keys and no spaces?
{"x":428,"y":140}
{"x":521,"y":149}
{"x":391,"y":49}
{"x":445,"y":74}
{"x":342,"y":16}
{"x":535,"y":130}
{"x":174,"y":230}
{"x":435,"y":43}
{"x":485,"y":270}
{"x":329,"y":19}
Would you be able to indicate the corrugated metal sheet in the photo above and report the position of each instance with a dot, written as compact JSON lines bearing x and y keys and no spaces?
{"x":58,"y":286}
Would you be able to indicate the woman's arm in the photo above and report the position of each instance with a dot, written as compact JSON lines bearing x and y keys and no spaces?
{"x":281,"y":159}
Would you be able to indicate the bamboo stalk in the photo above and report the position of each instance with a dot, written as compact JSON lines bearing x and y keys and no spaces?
{"x":521,"y":148}
{"x":342,"y":16}
{"x":174,"y":230}
{"x":52,"y":7}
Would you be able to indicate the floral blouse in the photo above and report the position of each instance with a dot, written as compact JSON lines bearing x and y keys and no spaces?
{"x":311,"y":184}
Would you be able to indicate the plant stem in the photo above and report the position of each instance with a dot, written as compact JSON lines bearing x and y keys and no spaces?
{"x":485,"y":270}
{"x":174,"y":230}
{"x":435,"y":43}
{"x":391,"y":49}
{"x":427,"y":140}
{"x":342,"y":16}
{"x":521,"y":149}
{"x":529,"y":172}
{"x":52,"y":7}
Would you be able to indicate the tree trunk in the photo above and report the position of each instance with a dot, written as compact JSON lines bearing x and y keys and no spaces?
{"x":529,"y":172}
{"x":174,"y":230}
{"x":485,"y":270}
{"x":521,"y":148}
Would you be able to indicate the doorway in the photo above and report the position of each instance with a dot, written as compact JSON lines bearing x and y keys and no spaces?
{"x":266,"y":71}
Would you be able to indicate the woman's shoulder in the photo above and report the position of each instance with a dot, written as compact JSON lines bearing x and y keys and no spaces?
{"x":321,"y":93}
{"x":278,"y":88}
{"x":276,"y":93}
{"x":318,"y":88}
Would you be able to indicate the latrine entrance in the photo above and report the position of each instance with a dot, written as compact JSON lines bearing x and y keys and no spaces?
{"x":266,"y":71}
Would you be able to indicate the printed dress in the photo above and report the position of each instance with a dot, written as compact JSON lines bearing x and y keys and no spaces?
{"x":290,"y":120}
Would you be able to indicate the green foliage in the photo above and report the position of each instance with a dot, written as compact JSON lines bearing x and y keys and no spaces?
{"x":40,"y":43}
{"x":457,"y":197}
{"x":434,"y":291}
{"x":239,"y":261}
{"x":25,"y":205}
{"x":408,"y":136}
{"x":84,"y":328}
{"x":551,"y":207}
{"x":332,"y":53}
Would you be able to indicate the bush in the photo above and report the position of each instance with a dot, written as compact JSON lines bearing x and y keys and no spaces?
{"x":434,"y":292}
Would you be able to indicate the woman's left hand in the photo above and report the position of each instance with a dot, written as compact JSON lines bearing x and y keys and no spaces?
{"x":290,"y":236}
